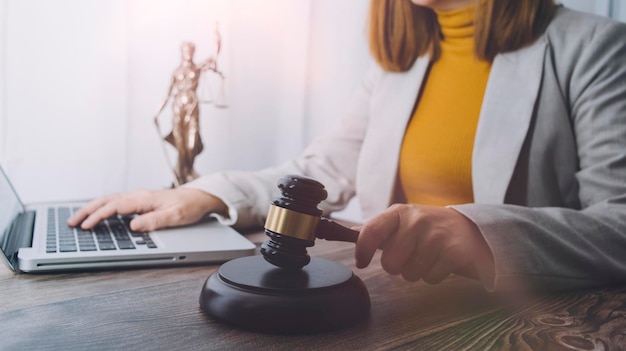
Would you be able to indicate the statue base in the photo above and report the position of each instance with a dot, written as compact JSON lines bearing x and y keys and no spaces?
{"x":252,"y":294}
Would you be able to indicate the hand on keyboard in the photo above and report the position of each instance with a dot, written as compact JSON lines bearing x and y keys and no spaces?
{"x":112,"y":233}
{"x":157,"y":208}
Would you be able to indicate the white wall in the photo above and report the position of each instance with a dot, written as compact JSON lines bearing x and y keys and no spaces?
{"x":81,"y":81}
{"x":619,"y":6}
{"x":611,"y":8}
{"x":64,"y":85}
{"x":339,"y":60}
{"x":599,"y":7}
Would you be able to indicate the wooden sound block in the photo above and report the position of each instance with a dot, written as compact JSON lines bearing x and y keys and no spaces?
{"x":252,"y":294}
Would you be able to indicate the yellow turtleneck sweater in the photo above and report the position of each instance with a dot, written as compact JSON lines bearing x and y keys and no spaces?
{"x":436,"y":155}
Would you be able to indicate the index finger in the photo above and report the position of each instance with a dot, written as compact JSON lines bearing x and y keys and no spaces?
{"x":84,"y":212}
{"x":373,"y":235}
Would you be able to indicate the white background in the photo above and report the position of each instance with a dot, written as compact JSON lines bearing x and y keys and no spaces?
{"x":80,"y":81}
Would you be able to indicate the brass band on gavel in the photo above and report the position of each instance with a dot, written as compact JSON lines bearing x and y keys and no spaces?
{"x":291,"y":223}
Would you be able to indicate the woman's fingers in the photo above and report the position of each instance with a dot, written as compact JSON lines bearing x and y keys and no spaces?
{"x":168,"y":214}
{"x":156,"y":209}
{"x":421,"y":262}
{"x":79,"y":216}
{"x":100,"y":209}
{"x":373,"y":235}
{"x":402,"y":245}
{"x":150,"y":221}
{"x":423,"y":242}
{"x":90,"y":215}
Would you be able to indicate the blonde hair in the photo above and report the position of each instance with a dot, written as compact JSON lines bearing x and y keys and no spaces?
{"x":400,"y":31}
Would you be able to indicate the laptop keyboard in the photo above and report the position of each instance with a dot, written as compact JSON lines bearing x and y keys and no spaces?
{"x":112,"y":234}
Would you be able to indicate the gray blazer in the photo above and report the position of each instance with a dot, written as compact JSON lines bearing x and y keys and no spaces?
{"x":549,"y":159}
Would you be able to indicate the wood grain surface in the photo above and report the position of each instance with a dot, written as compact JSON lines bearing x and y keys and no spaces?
{"x":157,"y":309}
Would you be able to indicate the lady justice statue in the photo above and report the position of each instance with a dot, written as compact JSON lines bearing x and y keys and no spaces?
{"x":185,"y":134}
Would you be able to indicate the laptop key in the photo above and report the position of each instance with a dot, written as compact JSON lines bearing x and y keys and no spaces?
{"x":107,"y":246}
{"x":88,"y":248}
{"x":125,"y":244}
{"x":67,"y":249}
{"x":121,"y":237}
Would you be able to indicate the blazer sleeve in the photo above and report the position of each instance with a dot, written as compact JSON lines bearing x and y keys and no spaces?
{"x":561,"y":248}
{"x":330,"y":159}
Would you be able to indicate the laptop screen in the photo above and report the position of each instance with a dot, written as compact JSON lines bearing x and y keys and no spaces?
{"x":10,"y":208}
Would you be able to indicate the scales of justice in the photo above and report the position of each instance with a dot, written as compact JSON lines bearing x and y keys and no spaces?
{"x":182,"y":92}
{"x":282,"y":290}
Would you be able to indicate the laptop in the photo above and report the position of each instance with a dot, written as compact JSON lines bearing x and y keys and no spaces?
{"x":37,"y":239}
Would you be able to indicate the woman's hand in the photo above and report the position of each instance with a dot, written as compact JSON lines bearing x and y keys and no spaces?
{"x":424,"y":242}
{"x":158,"y":208}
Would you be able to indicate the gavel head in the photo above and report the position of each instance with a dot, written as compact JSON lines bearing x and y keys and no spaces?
{"x":291,"y":222}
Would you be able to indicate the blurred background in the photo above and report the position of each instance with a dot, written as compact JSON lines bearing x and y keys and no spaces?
{"x":80,"y":82}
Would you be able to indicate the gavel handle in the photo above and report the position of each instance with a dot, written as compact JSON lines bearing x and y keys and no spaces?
{"x":329,"y":230}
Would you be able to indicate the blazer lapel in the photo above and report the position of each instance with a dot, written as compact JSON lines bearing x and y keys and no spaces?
{"x":505,"y":117}
{"x":391,"y":108}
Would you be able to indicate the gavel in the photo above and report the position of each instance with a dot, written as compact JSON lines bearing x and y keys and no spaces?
{"x":294,"y":221}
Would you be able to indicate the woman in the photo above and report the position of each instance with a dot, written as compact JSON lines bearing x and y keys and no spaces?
{"x":496,"y":127}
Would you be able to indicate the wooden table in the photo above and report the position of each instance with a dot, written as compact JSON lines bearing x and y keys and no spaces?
{"x":157,"y":309}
